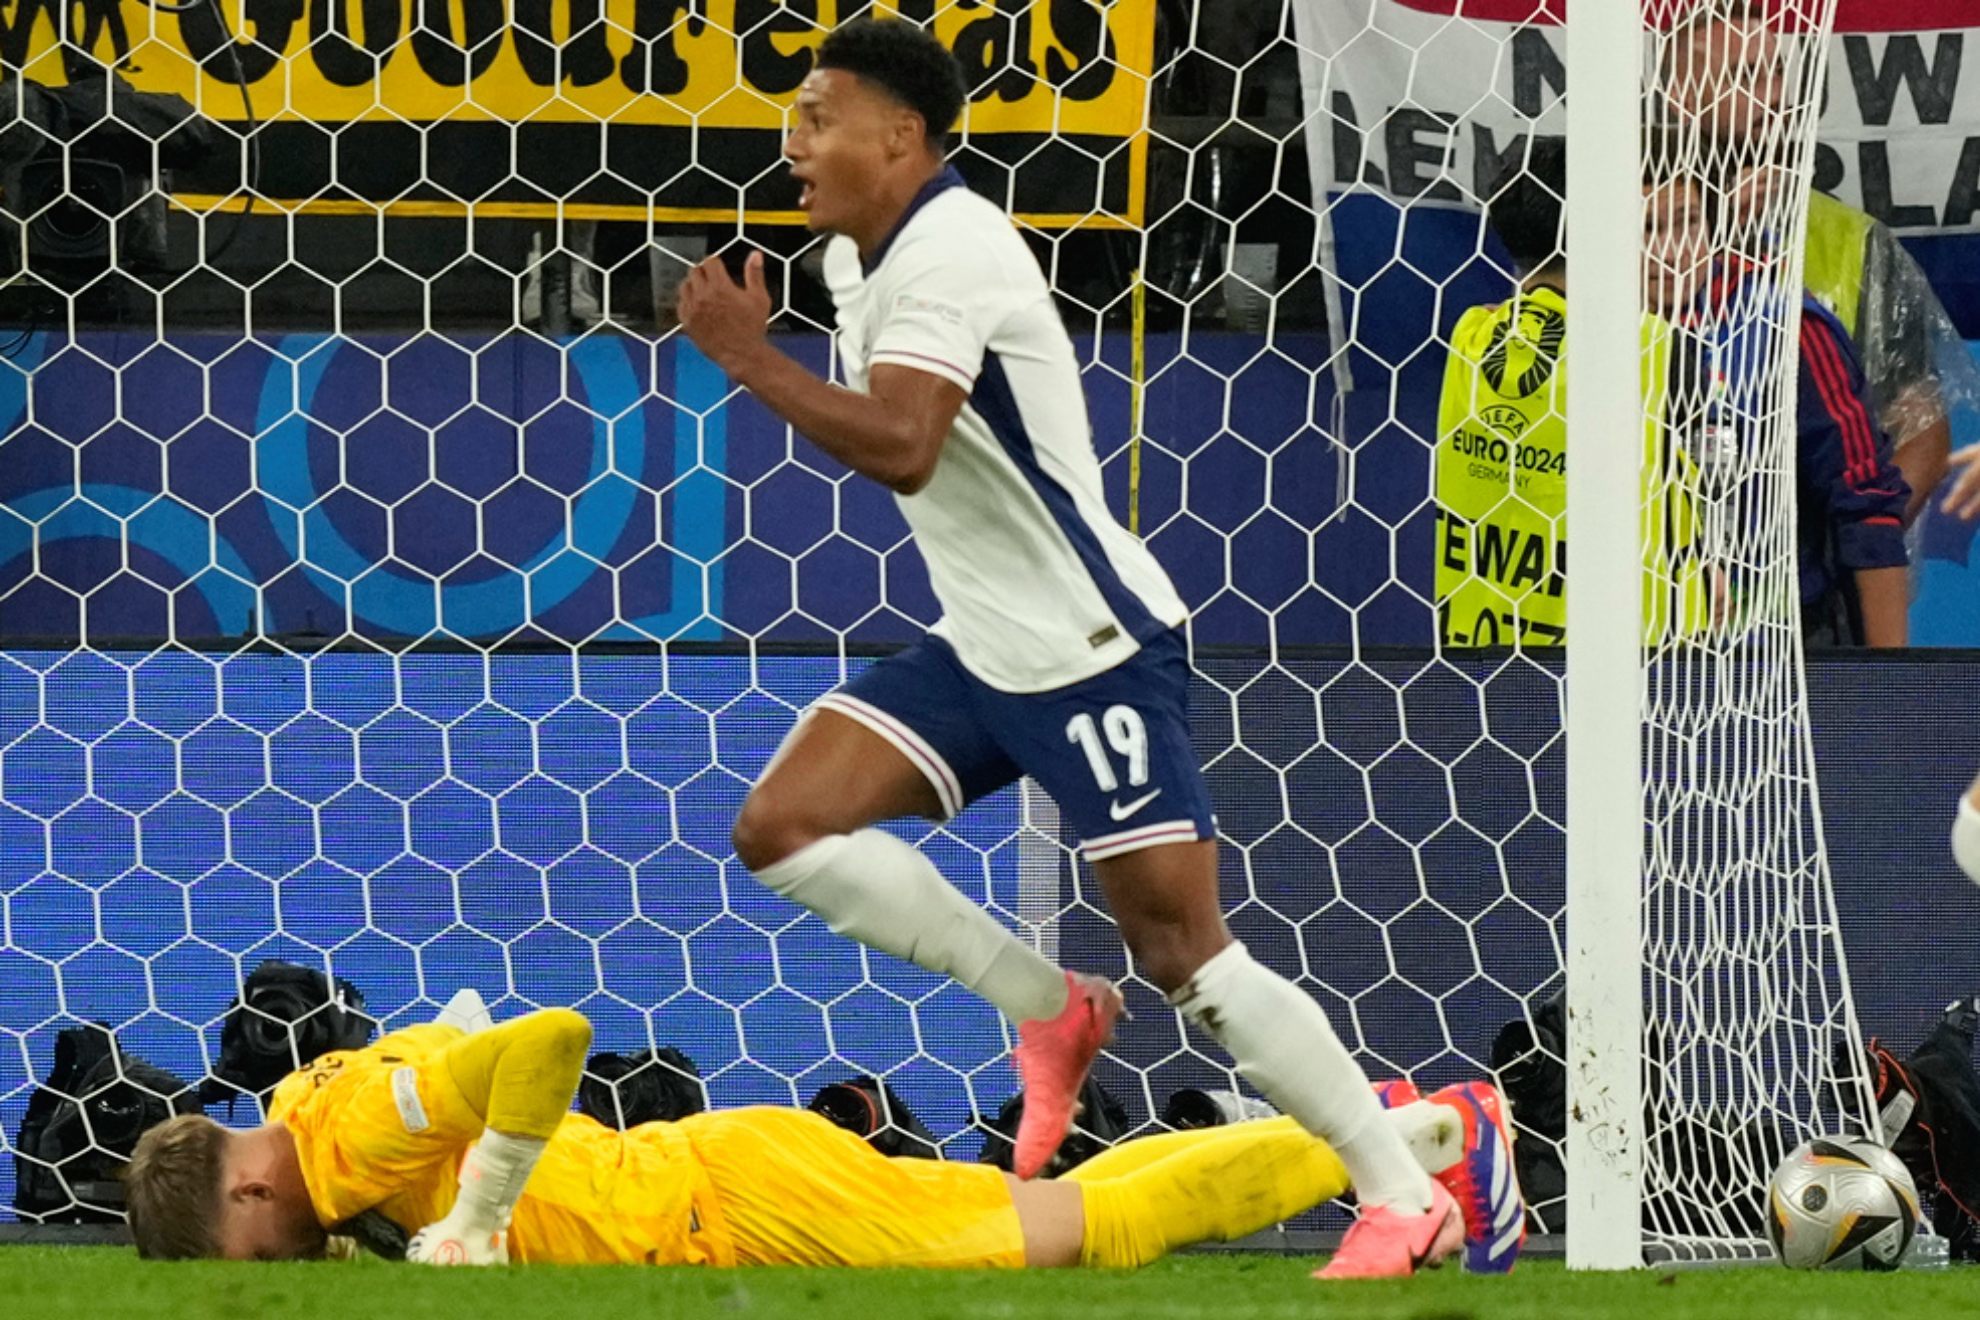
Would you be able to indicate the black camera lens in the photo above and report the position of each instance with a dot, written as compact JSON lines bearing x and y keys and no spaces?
{"x":1189,"y":1109}
{"x":273,"y":1011}
{"x":117,"y":1116}
{"x":854,"y":1108}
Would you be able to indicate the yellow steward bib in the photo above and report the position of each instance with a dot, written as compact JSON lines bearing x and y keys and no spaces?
{"x":1501,"y":484}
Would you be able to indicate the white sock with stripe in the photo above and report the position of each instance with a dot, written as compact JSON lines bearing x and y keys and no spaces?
{"x":1282,"y":1043}
{"x":888,"y":896}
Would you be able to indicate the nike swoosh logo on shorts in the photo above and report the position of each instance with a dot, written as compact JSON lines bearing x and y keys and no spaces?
{"x":1120,"y":813}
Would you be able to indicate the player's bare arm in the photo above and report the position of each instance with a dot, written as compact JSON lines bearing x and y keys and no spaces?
{"x":893,"y":433}
{"x":1963,"y":500}
{"x":1885,"y":594}
{"x":859,"y":155}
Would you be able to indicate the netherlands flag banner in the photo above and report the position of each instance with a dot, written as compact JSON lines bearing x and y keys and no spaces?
{"x":1851,"y":15}
{"x":1422,"y":103}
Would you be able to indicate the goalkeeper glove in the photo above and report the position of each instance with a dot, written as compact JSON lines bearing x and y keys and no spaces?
{"x":454,"y":1243}
{"x":449,"y":1243}
{"x":475,"y":1231}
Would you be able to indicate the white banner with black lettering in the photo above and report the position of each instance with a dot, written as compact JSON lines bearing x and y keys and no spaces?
{"x":1422,"y":98}
{"x":1423,"y":101}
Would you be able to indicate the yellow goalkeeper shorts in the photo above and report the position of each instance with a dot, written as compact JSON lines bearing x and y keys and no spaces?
{"x":796,"y":1190}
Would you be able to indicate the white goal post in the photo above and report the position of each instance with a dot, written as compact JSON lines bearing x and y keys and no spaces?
{"x":1674,"y":941}
{"x":1604,"y":692}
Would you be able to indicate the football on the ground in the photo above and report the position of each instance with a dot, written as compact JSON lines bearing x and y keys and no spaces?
{"x":1840,"y":1203}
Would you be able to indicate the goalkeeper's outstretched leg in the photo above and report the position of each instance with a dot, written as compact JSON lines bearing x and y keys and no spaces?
{"x":794,"y":1190}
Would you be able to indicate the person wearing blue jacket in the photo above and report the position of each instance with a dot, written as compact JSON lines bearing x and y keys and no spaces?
{"x":1851,"y":497}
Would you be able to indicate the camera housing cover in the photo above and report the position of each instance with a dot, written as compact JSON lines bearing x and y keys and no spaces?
{"x":287,"y":1017}
{"x":81,"y":1126}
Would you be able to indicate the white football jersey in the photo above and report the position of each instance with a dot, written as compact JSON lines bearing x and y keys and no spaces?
{"x":1039,"y":586}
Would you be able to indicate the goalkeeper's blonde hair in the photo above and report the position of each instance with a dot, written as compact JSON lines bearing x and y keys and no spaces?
{"x":172,"y":1189}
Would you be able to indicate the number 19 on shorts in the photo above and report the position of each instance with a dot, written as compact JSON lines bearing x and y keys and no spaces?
{"x":1125,"y":734}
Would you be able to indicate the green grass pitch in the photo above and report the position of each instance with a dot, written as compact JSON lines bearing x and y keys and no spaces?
{"x":40,"y":1283}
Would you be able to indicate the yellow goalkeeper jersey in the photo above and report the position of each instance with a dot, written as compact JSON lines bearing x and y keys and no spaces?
{"x":386,"y":1127}
{"x":1501,"y":484}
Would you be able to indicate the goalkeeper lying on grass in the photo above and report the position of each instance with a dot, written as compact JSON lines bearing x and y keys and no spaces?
{"x":468,"y":1138}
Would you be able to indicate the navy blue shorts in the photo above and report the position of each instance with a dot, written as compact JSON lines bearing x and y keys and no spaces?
{"x":1112,"y":751}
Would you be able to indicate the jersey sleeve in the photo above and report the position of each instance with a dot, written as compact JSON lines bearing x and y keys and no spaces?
{"x":942,"y":298}
{"x":368,"y":1123}
{"x":1845,"y":455}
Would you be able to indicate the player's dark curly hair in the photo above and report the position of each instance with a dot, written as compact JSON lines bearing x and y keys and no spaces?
{"x":907,"y":63}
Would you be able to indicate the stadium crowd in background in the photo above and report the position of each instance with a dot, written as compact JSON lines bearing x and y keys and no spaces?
{"x":1872,"y":439}
{"x":1725,"y":79}
{"x":1725,"y":76}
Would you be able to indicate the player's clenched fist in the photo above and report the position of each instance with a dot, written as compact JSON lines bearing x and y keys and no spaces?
{"x":449,"y":1243}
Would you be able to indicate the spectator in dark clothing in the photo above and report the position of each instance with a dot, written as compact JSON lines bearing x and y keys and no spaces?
{"x":1851,"y":498}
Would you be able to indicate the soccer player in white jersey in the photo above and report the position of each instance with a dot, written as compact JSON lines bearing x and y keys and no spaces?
{"x":1059,"y":654}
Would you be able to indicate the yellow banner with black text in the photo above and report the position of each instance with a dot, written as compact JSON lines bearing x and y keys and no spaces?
{"x":602,"y":108}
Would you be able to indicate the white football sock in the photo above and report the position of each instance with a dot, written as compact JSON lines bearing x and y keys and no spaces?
{"x":1283,"y":1044}
{"x":886,"y":895}
{"x":1433,"y":1132}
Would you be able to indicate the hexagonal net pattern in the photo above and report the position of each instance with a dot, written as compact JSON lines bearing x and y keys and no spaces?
{"x":437,"y":649}
{"x":1747,"y":1000}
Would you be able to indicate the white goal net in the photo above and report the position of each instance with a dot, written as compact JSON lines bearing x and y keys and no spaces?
{"x":388,"y":588}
